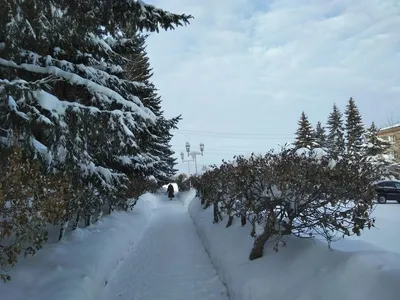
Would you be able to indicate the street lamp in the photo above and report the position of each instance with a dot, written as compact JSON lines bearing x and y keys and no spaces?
{"x":195,"y":153}
{"x":187,"y":147}
{"x":188,"y":161}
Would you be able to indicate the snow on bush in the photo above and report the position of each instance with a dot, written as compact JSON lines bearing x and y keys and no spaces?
{"x":304,"y":270}
{"x":298,"y":192}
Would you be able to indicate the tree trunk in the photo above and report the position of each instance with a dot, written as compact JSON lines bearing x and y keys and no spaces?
{"x":258,"y":247}
{"x":230,"y":221}
{"x":220,"y":216}
{"x":88,"y":220}
{"x":253,"y":229}
{"x":63,"y":228}
{"x":76,"y":223}
{"x":216,"y":212}
{"x":202,"y":200}
{"x":100,"y":215}
{"x":243,"y":219}
{"x":134,"y":203}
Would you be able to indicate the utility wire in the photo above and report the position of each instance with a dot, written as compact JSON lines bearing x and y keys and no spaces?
{"x":231,"y":133}
{"x":233,"y":151}
{"x":235,"y":136}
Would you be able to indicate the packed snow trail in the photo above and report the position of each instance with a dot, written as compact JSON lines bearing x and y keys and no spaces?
{"x":168,"y":263}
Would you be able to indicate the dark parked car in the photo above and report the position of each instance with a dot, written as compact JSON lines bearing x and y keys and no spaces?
{"x":388,"y":190}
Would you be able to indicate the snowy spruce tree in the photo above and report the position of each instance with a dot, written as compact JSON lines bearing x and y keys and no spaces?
{"x":305,"y":136}
{"x":375,"y":151}
{"x":354,"y":129}
{"x":320,"y":135}
{"x":65,"y":92}
{"x":375,"y":145}
{"x":335,"y":138}
{"x":156,"y":141}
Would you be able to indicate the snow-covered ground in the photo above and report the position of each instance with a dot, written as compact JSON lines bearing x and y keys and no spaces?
{"x":153,"y":252}
{"x":169,"y":263}
{"x":386,"y":235}
{"x":79,"y":266}
{"x":364,"y":268}
{"x":157,"y":252}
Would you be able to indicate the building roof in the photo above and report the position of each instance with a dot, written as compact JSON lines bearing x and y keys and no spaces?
{"x":390,"y":127}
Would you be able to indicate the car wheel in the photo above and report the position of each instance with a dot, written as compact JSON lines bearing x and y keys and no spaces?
{"x":398,"y":201}
{"x":382,"y":199}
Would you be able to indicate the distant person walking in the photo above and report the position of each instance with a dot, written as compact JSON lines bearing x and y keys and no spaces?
{"x":170,"y":191}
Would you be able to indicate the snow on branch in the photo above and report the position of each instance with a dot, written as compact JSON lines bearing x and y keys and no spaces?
{"x":151,"y":18}
{"x":57,"y":108}
{"x":95,"y":71}
{"x":92,"y":86}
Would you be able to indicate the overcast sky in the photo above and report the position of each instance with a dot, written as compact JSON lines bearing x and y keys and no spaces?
{"x":244,"y":70}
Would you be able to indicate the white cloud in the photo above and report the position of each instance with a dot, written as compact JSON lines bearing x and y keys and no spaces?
{"x":245,"y":66}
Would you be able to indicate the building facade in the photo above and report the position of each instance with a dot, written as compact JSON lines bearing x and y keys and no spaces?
{"x":392,"y":134}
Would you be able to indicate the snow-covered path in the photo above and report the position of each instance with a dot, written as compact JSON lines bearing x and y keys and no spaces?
{"x":168,"y":263}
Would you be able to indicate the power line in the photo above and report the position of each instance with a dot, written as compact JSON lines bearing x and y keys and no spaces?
{"x":185,"y":164}
{"x":219,"y":149}
{"x":233,"y":151}
{"x":185,"y":131}
{"x":230,"y":150}
{"x":235,"y":137}
{"x":219,"y":153}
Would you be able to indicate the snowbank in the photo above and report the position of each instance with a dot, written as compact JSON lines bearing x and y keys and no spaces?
{"x":304,"y":270}
{"x":384,"y":236}
{"x":186,"y":197}
{"x":79,"y":266}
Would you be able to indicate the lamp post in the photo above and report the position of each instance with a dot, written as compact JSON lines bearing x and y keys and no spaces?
{"x":188,"y":161}
{"x":194,"y":153}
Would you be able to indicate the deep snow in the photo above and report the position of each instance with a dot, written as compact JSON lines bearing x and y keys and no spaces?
{"x":155,"y":252}
{"x":169,"y":263}
{"x":78,"y":267}
{"x":152,"y":252}
{"x":385,"y":236}
{"x":305,"y":269}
